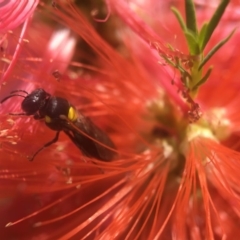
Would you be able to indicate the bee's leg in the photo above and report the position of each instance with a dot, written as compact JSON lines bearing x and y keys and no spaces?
{"x":44,"y":146}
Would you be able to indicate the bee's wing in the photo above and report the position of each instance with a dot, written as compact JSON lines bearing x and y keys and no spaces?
{"x":88,"y":146}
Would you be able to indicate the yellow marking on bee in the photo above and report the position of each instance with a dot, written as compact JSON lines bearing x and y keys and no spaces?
{"x":47,"y":119}
{"x":72,"y":114}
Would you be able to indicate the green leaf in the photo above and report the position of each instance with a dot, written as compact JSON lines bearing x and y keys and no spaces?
{"x":202,"y":33}
{"x":192,"y":43}
{"x":203,"y":80}
{"x":179,"y":18}
{"x":214,"y":22}
{"x":191,"y":16}
{"x":215,"y":49}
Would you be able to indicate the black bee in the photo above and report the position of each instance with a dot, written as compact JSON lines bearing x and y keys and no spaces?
{"x":60,"y":115}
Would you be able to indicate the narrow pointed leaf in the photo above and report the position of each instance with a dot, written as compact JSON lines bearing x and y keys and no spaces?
{"x":202,"y":33}
{"x":192,"y":43}
{"x":203,"y":80}
{"x":215,"y":49}
{"x":214,"y":22}
{"x":179,"y":18}
{"x":191,"y":16}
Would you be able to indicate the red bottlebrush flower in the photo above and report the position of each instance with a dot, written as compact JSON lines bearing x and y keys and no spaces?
{"x":172,"y":118}
{"x":14,"y":13}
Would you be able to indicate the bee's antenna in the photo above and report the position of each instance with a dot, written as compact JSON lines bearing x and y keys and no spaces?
{"x":19,"y":91}
{"x":13,"y":95}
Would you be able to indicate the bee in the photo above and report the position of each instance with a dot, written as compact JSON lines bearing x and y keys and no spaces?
{"x":60,"y":115}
